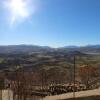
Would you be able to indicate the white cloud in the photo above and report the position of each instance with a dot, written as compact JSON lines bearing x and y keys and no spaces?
{"x":19,"y":10}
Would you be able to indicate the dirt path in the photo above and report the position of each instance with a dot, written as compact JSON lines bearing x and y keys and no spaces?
{"x":77,"y":94}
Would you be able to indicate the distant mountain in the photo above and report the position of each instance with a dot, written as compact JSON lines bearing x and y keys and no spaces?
{"x":87,"y":46}
{"x":24,"y":49}
{"x":71,"y":47}
{"x":95,"y":49}
{"x":93,"y":46}
{"x":91,"y":49}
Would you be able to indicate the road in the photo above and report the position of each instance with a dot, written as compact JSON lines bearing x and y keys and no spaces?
{"x":94,"y":92}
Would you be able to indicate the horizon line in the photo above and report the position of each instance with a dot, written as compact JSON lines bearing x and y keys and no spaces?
{"x":49,"y":45}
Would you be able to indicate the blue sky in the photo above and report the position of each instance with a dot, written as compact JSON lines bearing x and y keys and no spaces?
{"x":53,"y":23}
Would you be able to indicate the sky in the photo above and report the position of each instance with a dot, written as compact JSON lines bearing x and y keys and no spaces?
{"x":54,"y":23}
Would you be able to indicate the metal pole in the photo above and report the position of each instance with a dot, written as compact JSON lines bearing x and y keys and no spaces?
{"x":42,"y":83}
{"x":74,"y":77}
{"x":88,"y":76}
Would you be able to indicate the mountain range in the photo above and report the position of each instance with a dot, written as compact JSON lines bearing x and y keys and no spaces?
{"x":91,"y":49}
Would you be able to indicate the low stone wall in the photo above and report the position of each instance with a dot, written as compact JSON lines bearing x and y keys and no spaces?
{"x":0,"y":94}
{"x":6,"y":95}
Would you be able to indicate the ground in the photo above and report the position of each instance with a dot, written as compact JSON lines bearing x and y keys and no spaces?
{"x":86,"y":98}
{"x":85,"y":95}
